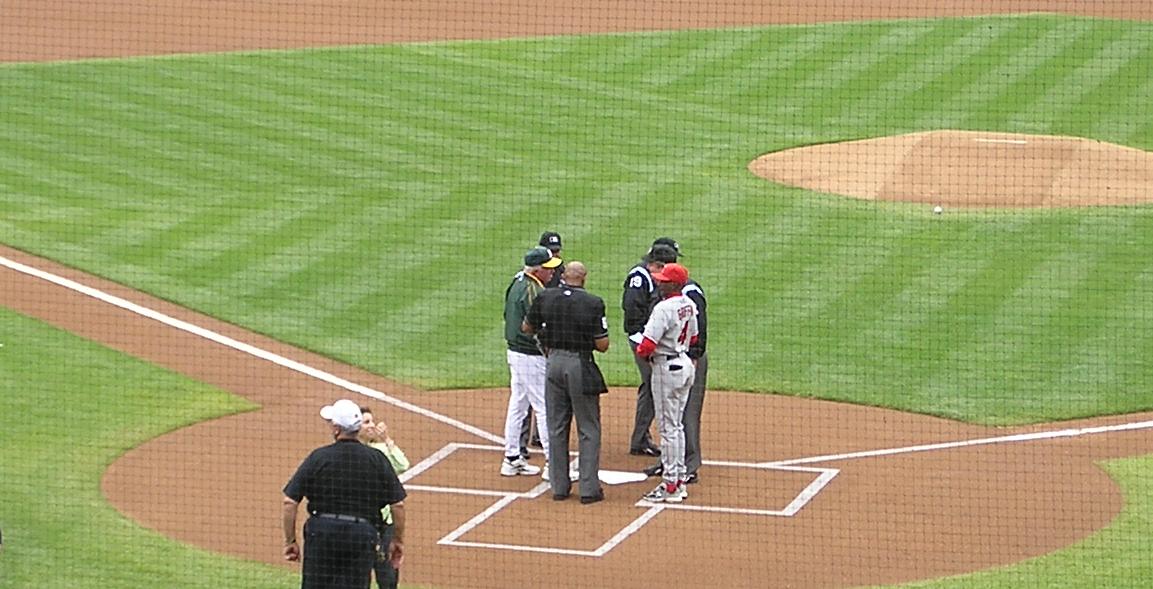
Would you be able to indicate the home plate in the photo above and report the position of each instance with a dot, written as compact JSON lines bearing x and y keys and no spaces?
{"x":616,"y":477}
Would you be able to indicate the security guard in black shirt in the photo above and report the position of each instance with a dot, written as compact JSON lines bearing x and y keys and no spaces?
{"x":570,"y":324}
{"x":346,"y":483}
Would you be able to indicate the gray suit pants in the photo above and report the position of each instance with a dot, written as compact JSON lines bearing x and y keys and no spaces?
{"x":692,"y":420}
{"x":645,"y":412}
{"x":564,"y":400}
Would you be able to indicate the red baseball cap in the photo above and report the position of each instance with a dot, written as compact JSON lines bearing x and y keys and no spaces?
{"x":674,"y":273}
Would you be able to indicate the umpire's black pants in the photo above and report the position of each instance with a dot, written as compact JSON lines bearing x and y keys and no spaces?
{"x":338,"y":554}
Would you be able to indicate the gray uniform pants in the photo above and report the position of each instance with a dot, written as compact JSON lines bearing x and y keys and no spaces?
{"x":564,"y":400}
{"x":645,"y":413}
{"x":693,"y":411}
{"x":672,"y":378}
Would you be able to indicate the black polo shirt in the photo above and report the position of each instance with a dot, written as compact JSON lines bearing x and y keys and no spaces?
{"x":346,"y":477}
{"x":568,"y":318}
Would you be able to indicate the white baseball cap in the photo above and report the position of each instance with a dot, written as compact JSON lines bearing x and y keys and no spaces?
{"x":343,"y":413}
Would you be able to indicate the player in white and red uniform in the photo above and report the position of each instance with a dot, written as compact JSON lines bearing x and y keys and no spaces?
{"x":670,"y":330}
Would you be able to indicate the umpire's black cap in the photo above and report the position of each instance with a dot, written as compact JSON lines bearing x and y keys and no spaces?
{"x":551,"y":240}
{"x":669,"y":242}
{"x":661,"y":253}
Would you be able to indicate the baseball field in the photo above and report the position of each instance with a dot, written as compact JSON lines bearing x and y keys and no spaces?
{"x":217,"y":217}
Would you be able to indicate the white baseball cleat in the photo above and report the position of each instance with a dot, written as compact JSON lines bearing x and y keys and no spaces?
{"x":667,"y":493}
{"x":517,"y":467}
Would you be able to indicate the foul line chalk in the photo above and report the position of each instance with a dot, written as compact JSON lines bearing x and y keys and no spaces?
{"x":1064,"y":433}
{"x":245,"y":348}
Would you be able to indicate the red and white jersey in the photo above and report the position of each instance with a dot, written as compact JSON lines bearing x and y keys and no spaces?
{"x":672,"y":325}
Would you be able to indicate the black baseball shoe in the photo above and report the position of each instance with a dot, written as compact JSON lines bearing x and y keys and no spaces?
{"x":593,"y":498}
{"x":655,"y":470}
{"x":692,"y":478}
{"x":646,"y":451}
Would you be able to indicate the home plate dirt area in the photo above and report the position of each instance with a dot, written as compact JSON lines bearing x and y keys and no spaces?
{"x":794,"y":493}
{"x":807,"y":493}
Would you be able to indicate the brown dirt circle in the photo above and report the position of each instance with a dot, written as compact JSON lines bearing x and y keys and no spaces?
{"x":881,"y":520}
{"x":969,"y":169}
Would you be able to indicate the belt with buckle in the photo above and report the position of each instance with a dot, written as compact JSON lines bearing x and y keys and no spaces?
{"x":344,"y":518}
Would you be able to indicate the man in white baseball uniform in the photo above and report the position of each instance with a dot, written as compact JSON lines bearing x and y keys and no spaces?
{"x":670,"y":330}
{"x":526,"y":362}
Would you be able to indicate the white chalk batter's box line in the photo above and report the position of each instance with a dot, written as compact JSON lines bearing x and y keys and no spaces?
{"x":506,"y":498}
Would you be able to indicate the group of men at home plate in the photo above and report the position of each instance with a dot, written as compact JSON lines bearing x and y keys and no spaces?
{"x":355,"y":500}
{"x":553,"y":326}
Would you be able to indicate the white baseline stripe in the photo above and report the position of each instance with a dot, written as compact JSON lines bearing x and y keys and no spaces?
{"x":429,"y":462}
{"x":628,"y":530}
{"x":621,"y":536}
{"x":1064,"y":433}
{"x":810,"y":491}
{"x":564,"y":551}
{"x":714,"y":509}
{"x":477,"y":519}
{"x":461,"y":491}
{"x":246,"y":348}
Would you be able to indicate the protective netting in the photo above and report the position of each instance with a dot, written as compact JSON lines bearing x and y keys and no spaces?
{"x":921,"y":230}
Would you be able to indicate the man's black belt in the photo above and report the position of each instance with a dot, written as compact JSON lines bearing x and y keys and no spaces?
{"x":344,"y":518}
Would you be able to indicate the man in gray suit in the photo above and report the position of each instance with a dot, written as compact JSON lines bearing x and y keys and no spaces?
{"x":570,"y":324}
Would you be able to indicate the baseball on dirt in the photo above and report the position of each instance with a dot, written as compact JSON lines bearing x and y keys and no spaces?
{"x":937,"y":210}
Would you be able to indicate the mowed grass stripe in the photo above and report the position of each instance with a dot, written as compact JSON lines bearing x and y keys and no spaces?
{"x":900,"y":62}
{"x":1087,"y":62}
{"x":419,"y":112}
{"x":576,"y":91}
{"x":611,"y":160}
{"x":971,"y":89}
{"x":1123,"y":87}
{"x":980,"y":317}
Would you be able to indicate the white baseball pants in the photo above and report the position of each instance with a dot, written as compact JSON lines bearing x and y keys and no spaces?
{"x":528,"y":378}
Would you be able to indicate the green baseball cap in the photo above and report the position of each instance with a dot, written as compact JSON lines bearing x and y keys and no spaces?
{"x":541,"y":256}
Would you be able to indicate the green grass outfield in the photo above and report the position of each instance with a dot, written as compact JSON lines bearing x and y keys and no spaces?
{"x":69,"y":407}
{"x":371,"y":203}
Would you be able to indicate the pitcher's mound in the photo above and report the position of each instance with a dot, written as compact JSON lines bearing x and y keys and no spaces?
{"x":969,"y":169}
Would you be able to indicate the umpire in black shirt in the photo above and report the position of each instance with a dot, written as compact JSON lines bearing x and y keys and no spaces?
{"x":640,"y":295}
{"x":346,"y":483}
{"x":570,"y":323}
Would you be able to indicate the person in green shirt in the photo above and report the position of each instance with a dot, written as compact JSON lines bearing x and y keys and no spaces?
{"x":375,"y":434}
{"x":526,"y":362}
